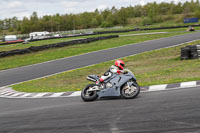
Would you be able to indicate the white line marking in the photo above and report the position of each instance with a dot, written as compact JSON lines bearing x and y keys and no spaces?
{"x":77,"y":93}
{"x":177,"y":88}
{"x":4,"y":92}
{"x":16,"y":94}
{"x":26,"y":94}
{"x":188,"y":84}
{"x":40,"y":94}
{"x":8,"y":93}
{"x":57,"y":94}
{"x":2,"y":88}
{"x":157,"y":87}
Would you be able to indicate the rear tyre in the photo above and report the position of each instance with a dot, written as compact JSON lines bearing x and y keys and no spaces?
{"x":130,"y":92}
{"x":88,"y":96}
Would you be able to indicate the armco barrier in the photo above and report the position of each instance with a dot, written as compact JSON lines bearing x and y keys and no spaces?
{"x":48,"y":46}
{"x":7,"y":43}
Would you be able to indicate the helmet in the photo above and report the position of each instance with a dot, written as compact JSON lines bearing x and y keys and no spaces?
{"x":120,"y":64}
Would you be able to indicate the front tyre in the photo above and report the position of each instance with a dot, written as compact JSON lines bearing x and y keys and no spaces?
{"x":130,"y":92}
{"x":88,"y":96}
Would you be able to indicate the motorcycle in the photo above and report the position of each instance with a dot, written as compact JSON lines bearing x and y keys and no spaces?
{"x":124,"y":85}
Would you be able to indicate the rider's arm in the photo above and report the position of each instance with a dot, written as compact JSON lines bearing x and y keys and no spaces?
{"x":114,"y":70}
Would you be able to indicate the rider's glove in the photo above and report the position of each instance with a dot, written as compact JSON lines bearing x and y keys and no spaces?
{"x":124,"y":71}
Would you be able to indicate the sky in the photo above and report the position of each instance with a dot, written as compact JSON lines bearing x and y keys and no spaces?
{"x":21,"y":8}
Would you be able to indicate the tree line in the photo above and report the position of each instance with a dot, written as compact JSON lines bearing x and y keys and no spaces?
{"x":150,"y":13}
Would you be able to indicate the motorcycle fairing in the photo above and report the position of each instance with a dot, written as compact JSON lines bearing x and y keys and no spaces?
{"x":93,"y":78}
{"x":118,"y":81}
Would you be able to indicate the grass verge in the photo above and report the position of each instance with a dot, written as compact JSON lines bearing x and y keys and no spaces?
{"x":150,"y":68}
{"x":57,"y":53}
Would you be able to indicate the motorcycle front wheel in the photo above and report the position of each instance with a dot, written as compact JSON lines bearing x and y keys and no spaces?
{"x":130,"y":92}
{"x":88,"y":96}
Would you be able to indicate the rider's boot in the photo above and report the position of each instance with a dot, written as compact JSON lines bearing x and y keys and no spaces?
{"x":100,"y":82}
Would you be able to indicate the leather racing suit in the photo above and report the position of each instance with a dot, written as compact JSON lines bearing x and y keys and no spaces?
{"x":112,"y":70}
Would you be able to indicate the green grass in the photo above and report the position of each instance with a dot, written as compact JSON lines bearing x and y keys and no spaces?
{"x":52,"y":54}
{"x":150,"y":68}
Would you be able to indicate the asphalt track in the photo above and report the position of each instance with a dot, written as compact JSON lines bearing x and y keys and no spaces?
{"x":21,"y":74}
{"x":174,"y":111}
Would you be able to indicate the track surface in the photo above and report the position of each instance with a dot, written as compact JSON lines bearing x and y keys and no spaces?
{"x":174,"y":111}
{"x":39,"y":70}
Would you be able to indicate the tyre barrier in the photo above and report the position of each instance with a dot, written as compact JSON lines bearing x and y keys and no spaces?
{"x":190,"y":52}
{"x":56,"y":45}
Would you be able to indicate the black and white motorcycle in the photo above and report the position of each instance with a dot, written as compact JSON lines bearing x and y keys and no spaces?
{"x":124,"y":85}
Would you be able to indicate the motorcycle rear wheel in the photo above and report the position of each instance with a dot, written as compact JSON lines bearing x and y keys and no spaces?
{"x":130,"y":93}
{"x":89,"y":96}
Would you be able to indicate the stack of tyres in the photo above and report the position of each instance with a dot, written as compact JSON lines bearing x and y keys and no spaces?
{"x":193,"y":52}
{"x":185,"y":53}
{"x":198,"y":50}
{"x":190,"y":52}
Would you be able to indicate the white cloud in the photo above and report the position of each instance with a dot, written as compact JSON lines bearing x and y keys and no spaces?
{"x":15,"y":4}
{"x":102,"y":7}
{"x":69,"y":4}
{"x":142,"y":2}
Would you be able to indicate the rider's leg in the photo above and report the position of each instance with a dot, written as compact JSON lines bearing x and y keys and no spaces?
{"x":105,"y":76}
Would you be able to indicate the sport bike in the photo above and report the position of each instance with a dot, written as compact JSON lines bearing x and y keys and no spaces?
{"x":123,"y":85}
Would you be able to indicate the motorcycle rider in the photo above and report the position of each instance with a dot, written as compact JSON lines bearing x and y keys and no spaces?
{"x":118,"y":68}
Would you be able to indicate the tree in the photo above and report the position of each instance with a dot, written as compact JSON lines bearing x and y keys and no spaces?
{"x":147,"y":21}
{"x":105,"y":13}
{"x":110,"y":19}
{"x":86,"y":20}
{"x":106,"y":24}
{"x":138,"y":11}
{"x":25,"y":25}
{"x":178,"y":9}
{"x":197,"y":13}
{"x":163,"y":8}
{"x":122,"y":16}
{"x":34,"y":22}
{"x":94,"y":22}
